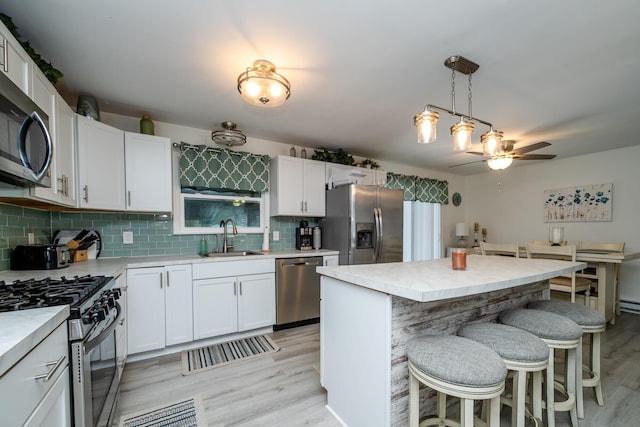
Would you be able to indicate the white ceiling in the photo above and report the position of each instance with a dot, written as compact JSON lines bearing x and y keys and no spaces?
{"x":565,"y":72}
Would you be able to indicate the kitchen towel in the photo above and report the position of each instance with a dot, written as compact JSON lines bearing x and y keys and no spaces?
{"x":183,"y":413}
{"x":213,"y":356}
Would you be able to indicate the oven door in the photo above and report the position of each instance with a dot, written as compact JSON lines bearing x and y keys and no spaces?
{"x":94,"y":370}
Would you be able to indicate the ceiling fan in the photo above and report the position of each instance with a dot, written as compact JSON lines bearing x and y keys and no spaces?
{"x":507,"y":153}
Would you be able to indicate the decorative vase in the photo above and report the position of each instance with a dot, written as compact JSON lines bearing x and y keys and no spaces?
{"x":88,"y":106}
{"x":146,"y":125}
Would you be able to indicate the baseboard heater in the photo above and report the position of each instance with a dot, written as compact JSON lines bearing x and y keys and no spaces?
{"x":630,"y":306}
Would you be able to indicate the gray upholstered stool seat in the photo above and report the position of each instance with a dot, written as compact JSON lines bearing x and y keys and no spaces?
{"x":592,"y":323}
{"x":457,"y":367}
{"x":522,"y":352}
{"x":557,"y":332}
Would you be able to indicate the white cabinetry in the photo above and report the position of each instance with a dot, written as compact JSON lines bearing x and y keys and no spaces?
{"x":148,"y":172}
{"x":342,"y":174}
{"x":100,"y":165}
{"x":233,"y":296}
{"x":297,"y":187}
{"x":159,"y":307}
{"x":15,"y":62}
{"x":36,"y":390}
{"x":330,"y":260}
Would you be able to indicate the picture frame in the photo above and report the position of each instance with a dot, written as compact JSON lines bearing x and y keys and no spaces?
{"x":581,"y":203}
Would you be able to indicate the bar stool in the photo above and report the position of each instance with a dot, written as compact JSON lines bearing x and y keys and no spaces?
{"x":522,"y":352}
{"x":458,"y":367}
{"x":557,"y":332}
{"x":592,"y":323}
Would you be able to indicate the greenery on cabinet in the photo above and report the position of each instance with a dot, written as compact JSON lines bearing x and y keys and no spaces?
{"x":372,"y":163}
{"x":340,"y":156}
{"x":50,"y":72}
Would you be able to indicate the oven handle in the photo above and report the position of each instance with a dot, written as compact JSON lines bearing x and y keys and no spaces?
{"x":112,"y":327}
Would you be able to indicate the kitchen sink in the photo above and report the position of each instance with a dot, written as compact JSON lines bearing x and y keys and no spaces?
{"x":231,"y":254}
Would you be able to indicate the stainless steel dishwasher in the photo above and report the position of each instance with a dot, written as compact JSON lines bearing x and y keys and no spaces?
{"x":297,"y":290}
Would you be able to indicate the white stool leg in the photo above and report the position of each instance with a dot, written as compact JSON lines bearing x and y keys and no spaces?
{"x":537,"y":395}
{"x":549,"y":397}
{"x":466,"y":412}
{"x":518,"y":399}
{"x":494,"y":412}
{"x":414,"y":407}
{"x":442,"y":405}
{"x":579,"y":390}
{"x":570,"y":382}
{"x":595,"y":362}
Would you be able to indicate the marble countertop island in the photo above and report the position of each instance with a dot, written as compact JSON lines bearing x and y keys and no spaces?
{"x":435,"y":279}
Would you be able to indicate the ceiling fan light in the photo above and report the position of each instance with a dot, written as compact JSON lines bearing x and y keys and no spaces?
{"x":499,"y":163}
{"x":461,"y":133}
{"x":262,"y":86}
{"x":426,"y":123}
{"x":491,"y":142}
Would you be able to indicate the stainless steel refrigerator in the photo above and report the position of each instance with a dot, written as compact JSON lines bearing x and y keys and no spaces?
{"x":364,"y":223}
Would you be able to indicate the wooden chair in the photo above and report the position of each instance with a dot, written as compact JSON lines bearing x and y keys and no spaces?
{"x":504,"y":249}
{"x":591,"y":271}
{"x":571,"y":283}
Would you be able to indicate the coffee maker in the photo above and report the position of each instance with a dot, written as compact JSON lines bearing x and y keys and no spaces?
{"x":304,"y":236}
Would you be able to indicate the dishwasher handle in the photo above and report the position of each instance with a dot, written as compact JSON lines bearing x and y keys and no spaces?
{"x":297,"y":264}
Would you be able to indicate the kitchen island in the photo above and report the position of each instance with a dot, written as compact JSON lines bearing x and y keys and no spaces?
{"x":370,"y":312}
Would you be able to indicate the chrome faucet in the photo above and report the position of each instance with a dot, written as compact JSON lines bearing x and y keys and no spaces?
{"x":225,"y":245}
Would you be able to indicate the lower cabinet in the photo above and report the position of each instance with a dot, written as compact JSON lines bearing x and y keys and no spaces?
{"x":226,"y":301}
{"x":159,"y":312}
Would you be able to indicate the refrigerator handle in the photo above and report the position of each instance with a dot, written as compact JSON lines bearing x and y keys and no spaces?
{"x":377,"y":215}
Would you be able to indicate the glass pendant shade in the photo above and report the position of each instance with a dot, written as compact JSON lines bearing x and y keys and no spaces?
{"x":491,"y":143}
{"x":262,"y":86}
{"x":426,"y":123}
{"x":462,"y":135}
{"x":499,"y":163}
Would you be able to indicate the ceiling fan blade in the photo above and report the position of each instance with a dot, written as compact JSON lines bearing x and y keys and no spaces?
{"x":532,"y":147}
{"x":534,"y":156}
{"x":468,"y":163}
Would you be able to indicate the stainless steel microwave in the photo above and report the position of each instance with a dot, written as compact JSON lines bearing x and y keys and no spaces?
{"x":25,"y":144}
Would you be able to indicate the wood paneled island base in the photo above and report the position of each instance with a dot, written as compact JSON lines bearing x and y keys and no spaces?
{"x":364,"y":331}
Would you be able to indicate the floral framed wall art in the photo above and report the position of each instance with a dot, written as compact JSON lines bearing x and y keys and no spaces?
{"x":579,"y":203}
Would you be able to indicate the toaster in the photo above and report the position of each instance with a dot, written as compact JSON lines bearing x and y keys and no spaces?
{"x":40,"y":257}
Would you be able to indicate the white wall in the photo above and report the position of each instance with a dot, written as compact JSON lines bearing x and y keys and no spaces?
{"x":509,"y":203}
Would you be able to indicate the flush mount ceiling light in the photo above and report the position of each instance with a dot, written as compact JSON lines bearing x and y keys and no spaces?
{"x":500,"y":162}
{"x":228,"y":136}
{"x":427,"y":120}
{"x":262,"y":86}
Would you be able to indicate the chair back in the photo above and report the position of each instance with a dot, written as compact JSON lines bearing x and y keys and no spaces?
{"x":566,"y":252}
{"x":545,"y":243}
{"x":504,"y":249}
{"x":609,"y":247}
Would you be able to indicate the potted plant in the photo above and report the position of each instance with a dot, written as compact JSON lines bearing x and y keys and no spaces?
{"x":340,"y":156}
{"x":370,"y":164}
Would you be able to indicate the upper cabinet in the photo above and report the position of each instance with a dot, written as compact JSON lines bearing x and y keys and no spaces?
{"x":342,"y":174}
{"x":14,"y":62}
{"x":148,"y":172}
{"x":297,"y":187}
{"x":100,"y":165}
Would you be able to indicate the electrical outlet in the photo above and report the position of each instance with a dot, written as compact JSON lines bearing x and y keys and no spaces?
{"x":31,"y":238}
{"x":276,"y":236}
{"x":127,"y":237}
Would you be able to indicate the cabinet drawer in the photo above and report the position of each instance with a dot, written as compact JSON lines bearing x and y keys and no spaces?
{"x":233,"y":268}
{"x":20,"y":390}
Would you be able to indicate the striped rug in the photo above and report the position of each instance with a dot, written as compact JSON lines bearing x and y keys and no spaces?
{"x":213,"y":356}
{"x":183,"y":413}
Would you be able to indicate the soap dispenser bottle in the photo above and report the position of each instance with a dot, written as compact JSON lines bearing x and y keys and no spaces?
{"x":204,"y":247}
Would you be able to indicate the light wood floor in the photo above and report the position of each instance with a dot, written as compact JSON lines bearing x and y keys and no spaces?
{"x":284,"y":389}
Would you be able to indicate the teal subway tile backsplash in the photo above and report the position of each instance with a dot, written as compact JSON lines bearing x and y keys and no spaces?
{"x":152,"y":234}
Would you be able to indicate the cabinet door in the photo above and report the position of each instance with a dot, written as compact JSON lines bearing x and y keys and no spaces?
{"x":330,"y":260}
{"x":100,"y":165}
{"x":215,"y":308}
{"x":381,"y":178}
{"x":146,"y":314}
{"x":287,"y":193}
{"x":15,"y":62}
{"x":148,"y":172}
{"x":314,"y":188}
{"x":178,"y":304}
{"x":54,"y":410}
{"x":256,"y":301}
{"x":44,"y":95}
{"x":65,"y":155}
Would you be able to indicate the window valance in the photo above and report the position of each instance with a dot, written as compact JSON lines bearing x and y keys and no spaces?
{"x":220,"y":168}
{"x":420,"y":189}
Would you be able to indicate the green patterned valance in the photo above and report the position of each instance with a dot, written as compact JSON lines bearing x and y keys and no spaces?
{"x":420,"y":189}
{"x":219,"y":168}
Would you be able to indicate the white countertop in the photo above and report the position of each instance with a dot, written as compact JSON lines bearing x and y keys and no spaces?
{"x":436,"y":280}
{"x":21,"y":331}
